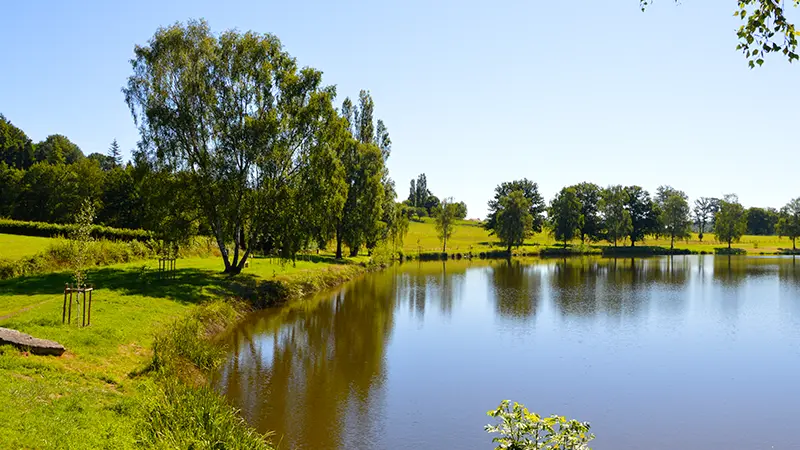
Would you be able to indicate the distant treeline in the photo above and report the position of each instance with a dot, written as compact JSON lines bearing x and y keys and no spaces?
{"x":628,"y":214}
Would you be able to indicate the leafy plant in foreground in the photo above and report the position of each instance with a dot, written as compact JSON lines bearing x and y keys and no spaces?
{"x":521,"y":429}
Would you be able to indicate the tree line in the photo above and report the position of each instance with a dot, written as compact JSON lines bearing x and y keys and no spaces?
{"x":620,"y":214}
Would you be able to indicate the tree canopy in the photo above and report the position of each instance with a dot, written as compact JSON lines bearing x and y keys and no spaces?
{"x":530,"y":190}
{"x":731,"y":220}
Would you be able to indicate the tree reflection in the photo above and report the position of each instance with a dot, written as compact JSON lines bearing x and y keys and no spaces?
{"x":516,"y":289}
{"x":306,"y":369}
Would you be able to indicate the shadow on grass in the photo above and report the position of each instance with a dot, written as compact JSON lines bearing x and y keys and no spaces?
{"x":185,"y":285}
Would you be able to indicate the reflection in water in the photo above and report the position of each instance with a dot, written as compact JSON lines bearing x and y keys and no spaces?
{"x":516,"y":289}
{"x":689,"y":340}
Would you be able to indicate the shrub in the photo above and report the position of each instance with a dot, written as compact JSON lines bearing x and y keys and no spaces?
{"x":521,"y":429}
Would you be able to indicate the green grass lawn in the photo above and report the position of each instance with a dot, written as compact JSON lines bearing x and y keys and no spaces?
{"x":15,"y":247}
{"x":469,"y":235}
{"x":87,"y":397}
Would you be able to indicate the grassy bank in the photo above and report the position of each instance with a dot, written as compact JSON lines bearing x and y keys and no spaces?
{"x":471,"y":237}
{"x":135,"y":377}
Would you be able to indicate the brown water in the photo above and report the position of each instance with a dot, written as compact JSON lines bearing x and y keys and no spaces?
{"x":689,"y":352}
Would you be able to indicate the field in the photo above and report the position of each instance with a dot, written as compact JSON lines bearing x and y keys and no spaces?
{"x":15,"y":247}
{"x":89,"y":395}
{"x":471,"y":236}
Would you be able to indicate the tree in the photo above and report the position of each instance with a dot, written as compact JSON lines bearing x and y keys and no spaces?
{"x":765,"y":29}
{"x":616,"y":217}
{"x":789,"y":222}
{"x":461,"y":210}
{"x":564,"y":215}
{"x":412,"y":193}
{"x":80,"y":240}
{"x":115,"y":153}
{"x":513,"y":221}
{"x":761,"y":221}
{"x":105,"y":162}
{"x":445,"y":221}
{"x":675,"y":216}
{"x":431,"y":203}
{"x":16,"y":149}
{"x":591,"y":226}
{"x":398,"y":229}
{"x":704,"y":210}
{"x":731,"y":220}
{"x":530,"y":190}
{"x":57,"y":149}
{"x":643,"y":213}
{"x":235,"y":113}
{"x":10,"y":179}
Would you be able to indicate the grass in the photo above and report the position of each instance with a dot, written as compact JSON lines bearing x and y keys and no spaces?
{"x":104,"y":392}
{"x":13,"y":246}
{"x":471,"y":236}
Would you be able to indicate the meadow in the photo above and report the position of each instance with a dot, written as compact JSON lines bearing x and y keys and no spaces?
{"x":98,"y":393}
{"x":14,"y":246}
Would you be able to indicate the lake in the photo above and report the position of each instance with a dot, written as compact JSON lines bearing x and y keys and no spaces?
{"x":690,"y":352}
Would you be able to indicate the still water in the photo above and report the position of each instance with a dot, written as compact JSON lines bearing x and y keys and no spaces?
{"x":695,"y":352}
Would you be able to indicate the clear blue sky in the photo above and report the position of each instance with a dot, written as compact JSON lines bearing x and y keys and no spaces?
{"x":473,"y":92}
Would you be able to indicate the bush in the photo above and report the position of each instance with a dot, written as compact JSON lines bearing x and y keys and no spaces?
{"x":44,"y":229}
{"x":521,"y":429}
{"x":730,"y":251}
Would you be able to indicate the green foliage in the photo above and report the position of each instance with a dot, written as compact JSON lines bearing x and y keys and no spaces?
{"x":42,"y":229}
{"x":513,"y":221}
{"x":254,"y":119}
{"x":444,"y":219}
{"x":731,"y":220}
{"x":789,"y":223}
{"x":16,"y":149}
{"x":616,"y":217}
{"x":591,"y":224}
{"x":643,"y":212}
{"x":57,"y":149}
{"x":79,"y":241}
{"x":761,"y":221}
{"x":674,"y":214}
{"x":530,"y":191}
{"x":520,"y":429}
{"x":461,"y":210}
{"x":565,"y":215}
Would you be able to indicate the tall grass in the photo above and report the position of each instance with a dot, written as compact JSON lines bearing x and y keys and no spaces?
{"x":181,"y":411}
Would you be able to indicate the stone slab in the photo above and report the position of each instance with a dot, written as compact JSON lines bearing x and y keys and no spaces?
{"x":27,"y":342}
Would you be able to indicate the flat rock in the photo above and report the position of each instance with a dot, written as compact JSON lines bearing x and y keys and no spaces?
{"x":27,"y":342}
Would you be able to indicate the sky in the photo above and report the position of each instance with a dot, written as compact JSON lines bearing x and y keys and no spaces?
{"x":473,"y":93}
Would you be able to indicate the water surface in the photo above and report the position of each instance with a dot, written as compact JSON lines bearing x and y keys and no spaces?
{"x":693,"y":352}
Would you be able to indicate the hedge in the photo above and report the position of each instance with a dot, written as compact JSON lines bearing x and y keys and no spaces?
{"x":44,"y":229}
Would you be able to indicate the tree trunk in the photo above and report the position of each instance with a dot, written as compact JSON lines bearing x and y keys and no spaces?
{"x":565,"y":243}
{"x":509,"y":249}
{"x":338,"y":242}
{"x":672,"y":242}
{"x":354,"y":252}
{"x":729,"y":244}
